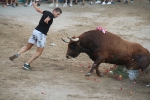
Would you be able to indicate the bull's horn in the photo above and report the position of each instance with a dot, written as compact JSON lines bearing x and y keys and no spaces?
{"x":76,"y":39}
{"x":65,"y":41}
{"x":69,"y":38}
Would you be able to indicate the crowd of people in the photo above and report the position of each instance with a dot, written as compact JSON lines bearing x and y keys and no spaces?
{"x":54,"y":3}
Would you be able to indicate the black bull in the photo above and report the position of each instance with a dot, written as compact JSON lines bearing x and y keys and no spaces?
{"x":108,"y":48}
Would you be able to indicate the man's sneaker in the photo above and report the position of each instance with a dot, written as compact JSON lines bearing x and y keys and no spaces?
{"x":27,"y":67}
{"x":13,"y":57}
{"x":98,"y":1}
{"x":56,"y":5}
{"x":65,"y":4}
{"x":103,"y":3}
{"x":109,"y":3}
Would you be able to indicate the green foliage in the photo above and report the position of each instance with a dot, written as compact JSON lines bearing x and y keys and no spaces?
{"x":120,"y":71}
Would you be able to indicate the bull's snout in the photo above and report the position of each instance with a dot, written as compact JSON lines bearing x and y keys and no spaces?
{"x":68,"y":57}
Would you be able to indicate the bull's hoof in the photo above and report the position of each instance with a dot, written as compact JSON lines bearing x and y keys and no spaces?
{"x":88,"y":74}
{"x":101,"y":74}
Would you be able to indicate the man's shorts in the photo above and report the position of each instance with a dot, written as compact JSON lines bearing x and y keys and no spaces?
{"x":38,"y":38}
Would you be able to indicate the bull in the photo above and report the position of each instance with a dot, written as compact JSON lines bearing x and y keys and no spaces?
{"x":108,"y":48}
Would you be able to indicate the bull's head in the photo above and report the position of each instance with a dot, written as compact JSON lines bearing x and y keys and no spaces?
{"x":73,"y":47}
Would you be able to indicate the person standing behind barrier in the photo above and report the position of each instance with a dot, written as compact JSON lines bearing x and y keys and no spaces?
{"x":12,"y":3}
{"x":15,"y":3}
{"x":7,"y":3}
{"x":126,"y":1}
{"x":90,"y":2}
{"x":53,"y":3}
{"x":65,"y":4}
{"x":39,"y":34}
{"x":98,"y":1}
{"x":76,"y":2}
{"x":26,"y":3}
{"x":109,"y":2}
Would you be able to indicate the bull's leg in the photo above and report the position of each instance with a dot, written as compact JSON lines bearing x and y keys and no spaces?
{"x":98,"y":72}
{"x":98,"y":61}
{"x":91,"y":71}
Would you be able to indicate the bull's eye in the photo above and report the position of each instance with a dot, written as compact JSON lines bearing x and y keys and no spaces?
{"x":72,"y":46}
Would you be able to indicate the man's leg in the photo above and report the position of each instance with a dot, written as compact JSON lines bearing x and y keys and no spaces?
{"x":22,"y":50}
{"x":35,"y":56}
{"x":25,"y":48}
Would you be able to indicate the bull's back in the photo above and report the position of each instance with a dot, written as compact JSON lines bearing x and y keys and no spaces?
{"x":107,"y":41}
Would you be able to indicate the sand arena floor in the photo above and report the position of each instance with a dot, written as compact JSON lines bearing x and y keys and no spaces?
{"x":53,"y":76}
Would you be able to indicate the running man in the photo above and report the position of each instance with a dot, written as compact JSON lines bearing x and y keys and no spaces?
{"x":39,"y":34}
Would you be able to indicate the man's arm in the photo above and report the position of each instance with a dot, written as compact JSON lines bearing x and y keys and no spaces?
{"x":47,"y":20}
{"x":36,"y":8}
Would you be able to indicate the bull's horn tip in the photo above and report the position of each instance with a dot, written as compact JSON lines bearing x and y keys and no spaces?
{"x":76,"y":39}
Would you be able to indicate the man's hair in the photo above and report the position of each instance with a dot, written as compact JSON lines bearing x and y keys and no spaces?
{"x":57,"y":9}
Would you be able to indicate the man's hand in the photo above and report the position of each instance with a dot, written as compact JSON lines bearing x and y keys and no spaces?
{"x":33,"y":3}
{"x":36,"y":8}
{"x":47,"y":20}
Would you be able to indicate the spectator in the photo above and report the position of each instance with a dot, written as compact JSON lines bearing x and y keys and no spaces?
{"x":26,"y":3}
{"x":98,"y":1}
{"x":91,"y":2}
{"x":53,"y":4}
{"x":76,"y":1}
{"x":15,"y":3}
{"x":109,"y":2}
{"x":7,"y":3}
{"x":65,"y":4}
{"x":82,"y":3}
{"x":12,"y":3}
{"x":126,"y":1}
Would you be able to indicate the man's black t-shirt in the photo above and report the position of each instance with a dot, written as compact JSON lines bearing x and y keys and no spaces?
{"x":44,"y":27}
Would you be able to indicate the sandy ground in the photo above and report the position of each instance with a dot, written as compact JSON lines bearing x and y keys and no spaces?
{"x":53,"y":76}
